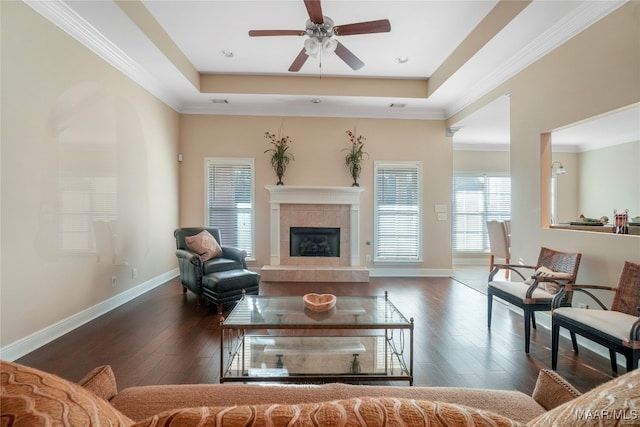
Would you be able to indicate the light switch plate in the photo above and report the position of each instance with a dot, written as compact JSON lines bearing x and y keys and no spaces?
{"x":440,"y":208}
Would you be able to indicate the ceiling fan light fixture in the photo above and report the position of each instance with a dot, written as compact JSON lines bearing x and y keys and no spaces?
{"x":329,"y":45}
{"x":319,"y":30}
{"x":312,"y":46}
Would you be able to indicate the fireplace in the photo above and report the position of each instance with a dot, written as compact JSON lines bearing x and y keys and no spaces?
{"x":314,"y":241}
{"x":323,"y":220}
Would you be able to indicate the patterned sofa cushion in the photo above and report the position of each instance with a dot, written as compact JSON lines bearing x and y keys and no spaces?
{"x":30,"y":397}
{"x":369,"y":412}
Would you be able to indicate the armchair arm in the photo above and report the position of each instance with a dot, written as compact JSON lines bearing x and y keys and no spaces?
{"x":560,"y":283}
{"x":572,"y":287}
{"x":189,"y":256}
{"x":236,"y":254}
{"x":513,"y":267}
{"x":191,"y":269}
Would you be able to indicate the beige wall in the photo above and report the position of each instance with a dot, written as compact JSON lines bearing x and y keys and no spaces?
{"x":595,"y":72}
{"x":567,"y":188}
{"x":68,"y":116}
{"x":599,"y":181}
{"x":319,"y":161}
{"x":610,"y":179}
{"x":480,"y":161}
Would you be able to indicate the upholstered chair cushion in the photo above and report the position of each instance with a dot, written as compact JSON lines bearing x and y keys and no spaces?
{"x":365,"y":411}
{"x":611,"y":323}
{"x":204,"y":244}
{"x":34,"y":398}
{"x":616,"y":402}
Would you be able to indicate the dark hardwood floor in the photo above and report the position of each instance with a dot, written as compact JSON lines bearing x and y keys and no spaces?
{"x":164,"y":337}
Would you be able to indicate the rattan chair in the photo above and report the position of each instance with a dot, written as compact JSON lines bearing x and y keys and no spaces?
{"x":618,"y":329}
{"x":536,"y":292}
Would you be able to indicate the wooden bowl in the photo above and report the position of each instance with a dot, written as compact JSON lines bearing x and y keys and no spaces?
{"x":319,"y":302}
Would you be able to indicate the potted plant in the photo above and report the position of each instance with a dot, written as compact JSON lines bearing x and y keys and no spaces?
{"x":354,"y":156}
{"x":280,"y":157}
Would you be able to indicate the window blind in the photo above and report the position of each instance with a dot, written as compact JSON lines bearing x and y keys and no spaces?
{"x":397,"y":211}
{"x":230,"y":200}
{"x":477,"y":198}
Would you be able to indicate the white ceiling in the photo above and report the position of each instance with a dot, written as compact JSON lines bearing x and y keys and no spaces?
{"x":147,"y":39}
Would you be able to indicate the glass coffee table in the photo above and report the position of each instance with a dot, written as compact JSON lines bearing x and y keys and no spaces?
{"x":278,"y":339}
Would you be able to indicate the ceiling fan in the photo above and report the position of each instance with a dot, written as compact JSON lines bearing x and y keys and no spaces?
{"x":320,"y":29}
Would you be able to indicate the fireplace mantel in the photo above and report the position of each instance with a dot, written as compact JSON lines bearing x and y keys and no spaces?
{"x":280,"y":195}
{"x":302,"y":194}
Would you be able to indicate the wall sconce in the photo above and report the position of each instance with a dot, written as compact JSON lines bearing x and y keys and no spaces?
{"x":558,"y":169}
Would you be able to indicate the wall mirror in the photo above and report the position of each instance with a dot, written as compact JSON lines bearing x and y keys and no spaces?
{"x":601,"y":158}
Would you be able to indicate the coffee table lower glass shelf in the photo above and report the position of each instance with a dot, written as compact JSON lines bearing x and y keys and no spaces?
{"x":292,"y":349}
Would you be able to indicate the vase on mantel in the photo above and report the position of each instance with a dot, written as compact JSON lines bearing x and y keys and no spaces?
{"x":355,"y":173}
{"x":279,"y":168}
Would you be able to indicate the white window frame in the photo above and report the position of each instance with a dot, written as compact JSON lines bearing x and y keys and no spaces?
{"x":232,"y":161}
{"x":380,"y":165}
{"x":485,"y":215}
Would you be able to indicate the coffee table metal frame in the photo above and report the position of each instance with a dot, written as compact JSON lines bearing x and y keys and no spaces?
{"x":293,"y":320}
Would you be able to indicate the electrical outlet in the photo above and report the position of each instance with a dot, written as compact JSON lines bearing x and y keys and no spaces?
{"x":367,"y":258}
{"x":134,"y":273}
{"x":114,"y":281}
{"x":442,"y":216}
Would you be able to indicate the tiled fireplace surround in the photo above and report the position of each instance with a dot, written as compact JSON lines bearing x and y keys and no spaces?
{"x":304,"y":206}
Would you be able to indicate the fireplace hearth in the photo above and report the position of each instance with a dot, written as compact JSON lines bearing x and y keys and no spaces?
{"x":314,"y":242}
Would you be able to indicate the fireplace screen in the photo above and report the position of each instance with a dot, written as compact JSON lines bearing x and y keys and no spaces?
{"x":314,"y":241}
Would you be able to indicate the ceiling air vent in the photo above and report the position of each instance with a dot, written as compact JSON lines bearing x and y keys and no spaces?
{"x":220,"y":101}
{"x":397,"y":105}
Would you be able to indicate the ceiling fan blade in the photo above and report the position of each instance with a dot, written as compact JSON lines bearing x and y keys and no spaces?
{"x":262,"y":33}
{"x":347,"y":56}
{"x":299,"y":61}
{"x":314,"y":9}
{"x":380,"y":26}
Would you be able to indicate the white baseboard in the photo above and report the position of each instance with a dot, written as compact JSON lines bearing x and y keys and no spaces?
{"x":36,"y":340}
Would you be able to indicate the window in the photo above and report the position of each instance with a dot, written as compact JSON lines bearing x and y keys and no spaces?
{"x":397,"y":211}
{"x":230,"y":200}
{"x":478,"y":198}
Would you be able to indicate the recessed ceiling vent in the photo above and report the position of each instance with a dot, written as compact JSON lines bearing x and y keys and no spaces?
{"x":397,"y":105}
{"x":220,"y":101}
